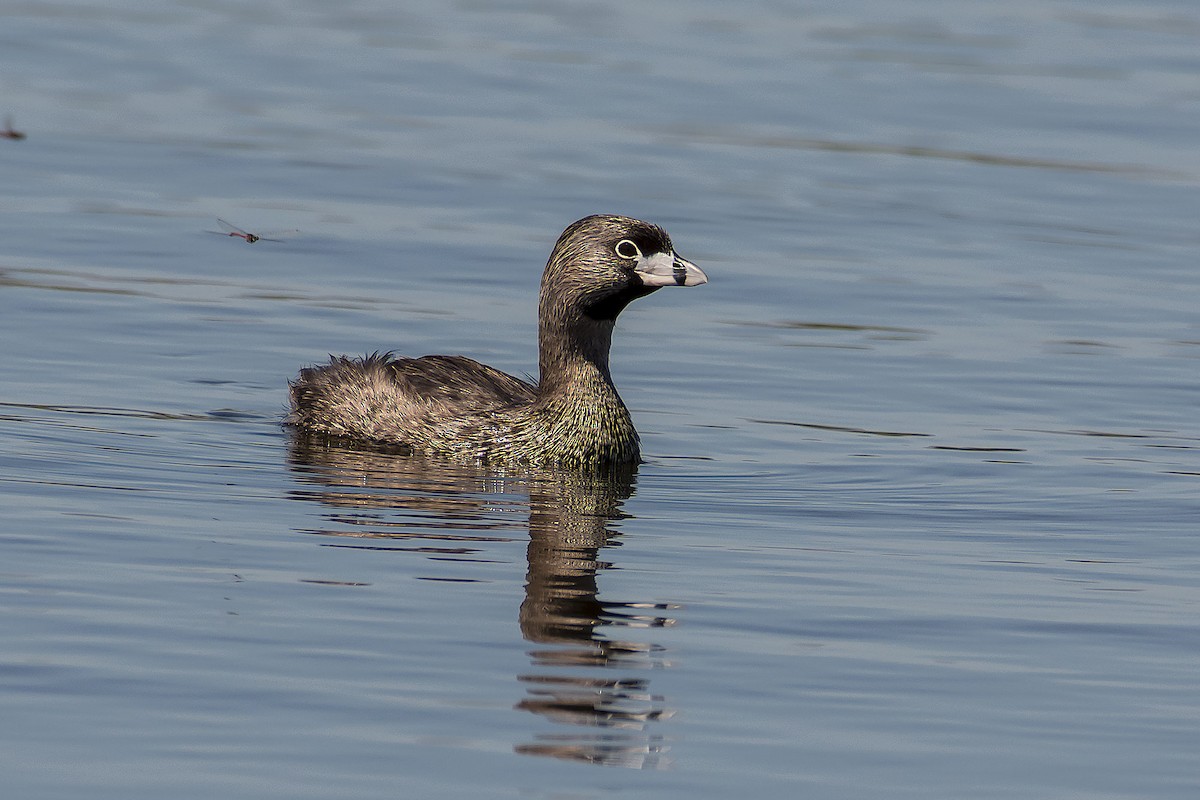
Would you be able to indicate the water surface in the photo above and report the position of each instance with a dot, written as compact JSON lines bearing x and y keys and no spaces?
{"x":919,"y":507}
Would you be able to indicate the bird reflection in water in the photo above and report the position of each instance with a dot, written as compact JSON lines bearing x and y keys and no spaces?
{"x":452,"y":508}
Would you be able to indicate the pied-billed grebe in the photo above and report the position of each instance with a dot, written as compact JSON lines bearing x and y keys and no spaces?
{"x":457,"y":406}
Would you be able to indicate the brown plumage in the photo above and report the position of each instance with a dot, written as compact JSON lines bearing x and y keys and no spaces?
{"x":457,"y":406}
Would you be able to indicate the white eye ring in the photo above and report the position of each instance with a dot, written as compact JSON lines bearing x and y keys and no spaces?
{"x":637,"y":251}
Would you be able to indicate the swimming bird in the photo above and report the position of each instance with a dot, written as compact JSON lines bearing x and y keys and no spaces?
{"x":456,"y":406}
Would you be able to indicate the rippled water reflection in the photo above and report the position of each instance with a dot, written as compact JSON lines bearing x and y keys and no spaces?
{"x":581,"y":674}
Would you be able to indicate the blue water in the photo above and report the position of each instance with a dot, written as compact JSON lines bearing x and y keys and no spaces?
{"x":919,"y":511}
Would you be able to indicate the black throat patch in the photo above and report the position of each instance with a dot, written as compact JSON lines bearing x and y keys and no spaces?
{"x":608,"y":308}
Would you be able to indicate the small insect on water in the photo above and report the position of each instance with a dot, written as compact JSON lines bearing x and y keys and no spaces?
{"x":251,"y":238}
{"x":9,"y":132}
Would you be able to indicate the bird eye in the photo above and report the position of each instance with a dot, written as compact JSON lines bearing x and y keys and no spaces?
{"x":627,"y":249}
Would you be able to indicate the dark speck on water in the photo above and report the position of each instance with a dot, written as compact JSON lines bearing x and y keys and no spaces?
{"x":916,"y":504}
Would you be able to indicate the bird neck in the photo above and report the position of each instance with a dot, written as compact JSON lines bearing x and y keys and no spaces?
{"x":573,"y":357}
{"x":581,"y":415}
